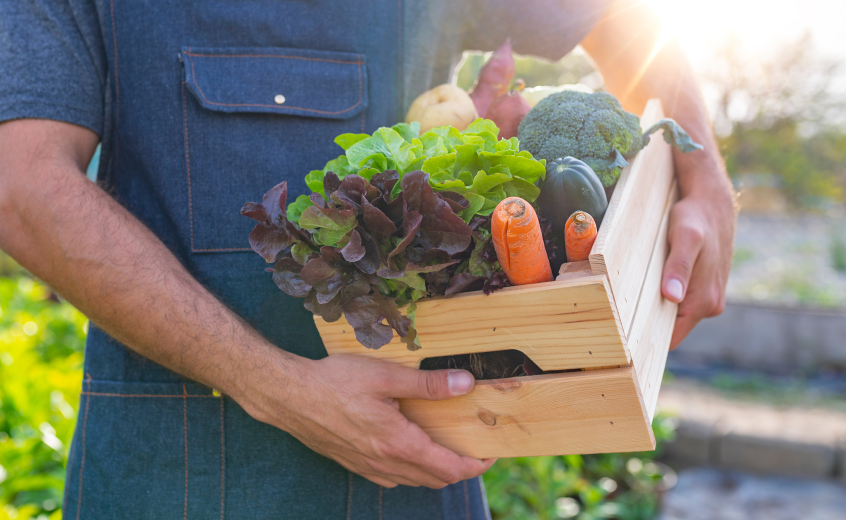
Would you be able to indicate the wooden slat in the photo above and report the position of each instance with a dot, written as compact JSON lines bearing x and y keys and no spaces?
{"x":649,"y":340}
{"x":624,"y":243}
{"x":560,"y":325}
{"x":554,"y":414}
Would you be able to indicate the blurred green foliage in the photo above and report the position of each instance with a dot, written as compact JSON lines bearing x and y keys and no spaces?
{"x":9,"y":267}
{"x":624,"y":486}
{"x":838,"y":253}
{"x":812,"y":169}
{"x":41,"y":346}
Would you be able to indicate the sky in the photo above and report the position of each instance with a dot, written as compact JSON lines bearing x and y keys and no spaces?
{"x":760,"y":26}
{"x":700,"y":25}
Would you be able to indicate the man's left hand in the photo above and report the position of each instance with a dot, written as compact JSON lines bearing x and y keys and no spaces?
{"x":701,"y":237}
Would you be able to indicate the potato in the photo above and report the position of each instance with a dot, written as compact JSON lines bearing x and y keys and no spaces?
{"x":445,"y":104}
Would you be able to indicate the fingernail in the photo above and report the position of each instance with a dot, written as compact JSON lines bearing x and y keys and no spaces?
{"x":459,"y":382}
{"x":674,"y":289}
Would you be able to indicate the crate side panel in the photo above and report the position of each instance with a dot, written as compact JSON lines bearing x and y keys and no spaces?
{"x":556,"y":414}
{"x":652,"y":328}
{"x":559,"y":325}
{"x":624,"y":246}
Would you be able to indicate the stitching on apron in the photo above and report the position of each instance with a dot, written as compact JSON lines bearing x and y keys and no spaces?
{"x":466,"y":502}
{"x":117,"y":83}
{"x":359,"y":92}
{"x":358,"y":58}
{"x":185,"y":432}
{"x":188,"y":164}
{"x":349,"y":498}
{"x":82,"y":463}
{"x":197,"y":84}
{"x":222,"y":459}
{"x":380,"y":502}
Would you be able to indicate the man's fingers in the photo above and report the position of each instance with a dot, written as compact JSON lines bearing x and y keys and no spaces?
{"x":685,"y":244}
{"x":684,"y":324}
{"x":448,"y":466}
{"x":432,"y":385}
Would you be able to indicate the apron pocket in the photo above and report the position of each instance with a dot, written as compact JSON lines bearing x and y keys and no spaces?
{"x":146,"y":450}
{"x":254,"y":117}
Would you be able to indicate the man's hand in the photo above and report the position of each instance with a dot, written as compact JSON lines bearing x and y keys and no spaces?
{"x":637,"y":66}
{"x":701,"y":238}
{"x":345,"y":408}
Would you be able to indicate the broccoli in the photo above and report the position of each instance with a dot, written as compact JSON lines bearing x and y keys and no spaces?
{"x":593,"y":128}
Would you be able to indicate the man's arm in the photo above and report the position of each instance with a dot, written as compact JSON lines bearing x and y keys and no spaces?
{"x":70,"y":233}
{"x":624,"y":45}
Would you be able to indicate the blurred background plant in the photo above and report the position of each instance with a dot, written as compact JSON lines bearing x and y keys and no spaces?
{"x":41,"y":345}
{"x":625,"y":486}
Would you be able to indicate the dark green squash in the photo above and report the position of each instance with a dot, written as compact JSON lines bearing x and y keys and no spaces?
{"x":570,"y":186}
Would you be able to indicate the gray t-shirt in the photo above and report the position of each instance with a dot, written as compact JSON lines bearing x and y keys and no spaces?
{"x":53,"y":60}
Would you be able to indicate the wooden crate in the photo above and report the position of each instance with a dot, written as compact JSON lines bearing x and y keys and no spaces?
{"x":605,"y":321}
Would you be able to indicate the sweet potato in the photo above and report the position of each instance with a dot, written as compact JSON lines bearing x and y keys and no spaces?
{"x":507,"y":111}
{"x":494,"y":78}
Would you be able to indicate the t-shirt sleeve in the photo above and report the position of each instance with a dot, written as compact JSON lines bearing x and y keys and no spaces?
{"x":52,"y":62}
{"x":546,"y":28}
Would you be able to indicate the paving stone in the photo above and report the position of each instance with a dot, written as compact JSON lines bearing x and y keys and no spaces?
{"x":693,"y":444}
{"x":761,"y":454}
{"x":752,"y":436}
{"x":712,"y":494}
{"x":840,"y":466}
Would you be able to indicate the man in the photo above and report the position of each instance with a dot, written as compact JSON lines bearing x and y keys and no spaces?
{"x":201,"y":106}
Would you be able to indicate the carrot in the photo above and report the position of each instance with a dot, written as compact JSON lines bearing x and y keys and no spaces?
{"x":518,"y":242}
{"x":579,"y":236}
{"x":494,"y":78}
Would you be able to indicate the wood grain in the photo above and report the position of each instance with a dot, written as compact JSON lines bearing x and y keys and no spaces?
{"x":560,"y":325}
{"x":625,"y":240}
{"x":652,"y":328}
{"x":553,"y":414}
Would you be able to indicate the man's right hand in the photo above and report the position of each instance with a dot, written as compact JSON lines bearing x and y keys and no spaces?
{"x":345,"y":408}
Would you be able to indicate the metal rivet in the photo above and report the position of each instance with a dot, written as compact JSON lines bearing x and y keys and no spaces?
{"x":279,"y":99}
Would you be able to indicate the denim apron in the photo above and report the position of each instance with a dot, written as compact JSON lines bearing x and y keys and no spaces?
{"x":211,"y":103}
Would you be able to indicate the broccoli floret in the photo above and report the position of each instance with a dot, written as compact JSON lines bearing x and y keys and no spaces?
{"x":593,"y":128}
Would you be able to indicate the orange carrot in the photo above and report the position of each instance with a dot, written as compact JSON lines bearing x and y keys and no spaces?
{"x":579,"y":236}
{"x":518,"y":242}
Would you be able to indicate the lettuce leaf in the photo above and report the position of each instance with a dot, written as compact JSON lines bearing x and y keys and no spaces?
{"x":398,"y":217}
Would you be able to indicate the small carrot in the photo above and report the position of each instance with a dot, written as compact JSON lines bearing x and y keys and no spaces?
{"x":518,"y":242}
{"x":579,"y":236}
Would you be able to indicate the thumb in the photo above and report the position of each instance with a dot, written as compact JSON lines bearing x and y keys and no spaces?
{"x":685,"y":245}
{"x":432,"y":385}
